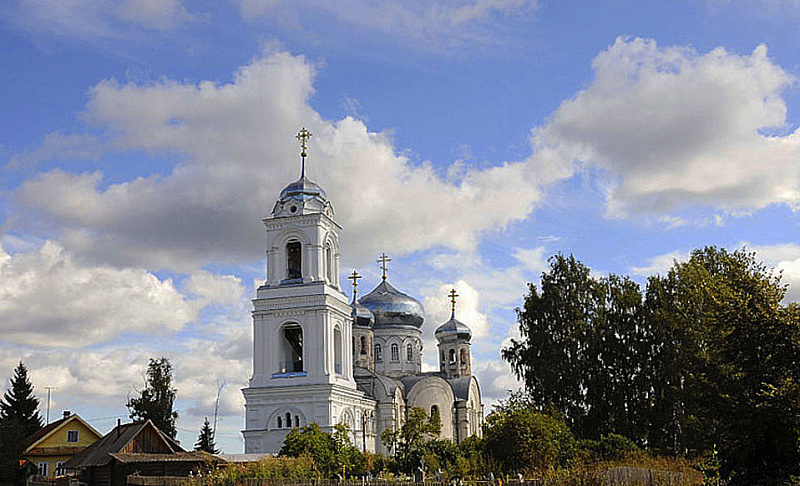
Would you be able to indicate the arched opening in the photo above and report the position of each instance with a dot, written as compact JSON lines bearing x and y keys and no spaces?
{"x":363,"y":344}
{"x":395,"y":352}
{"x":442,"y":356}
{"x":337,"y":350}
{"x":463,"y":356}
{"x":296,"y":421}
{"x":452,"y":355}
{"x":409,"y":353}
{"x":294,"y":260}
{"x":292,"y":352}
{"x":329,"y":263}
{"x":280,"y":422}
{"x":378,"y":354}
{"x":288,"y":419}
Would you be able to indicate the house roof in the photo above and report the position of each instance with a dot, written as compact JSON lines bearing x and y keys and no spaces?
{"x":99,"y":453}
{"x":193,"y":456}
{"x":33,"y":440}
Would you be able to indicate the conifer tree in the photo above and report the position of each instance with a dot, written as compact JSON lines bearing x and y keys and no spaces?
{"x":19,"y":406}
{"x":205,"y":441}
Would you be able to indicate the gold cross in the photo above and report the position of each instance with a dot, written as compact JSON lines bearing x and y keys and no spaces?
{"x":382,"y":262}
{"x":354,"y":277}
{"x":303,"y":135}
{"x":453,"y":296}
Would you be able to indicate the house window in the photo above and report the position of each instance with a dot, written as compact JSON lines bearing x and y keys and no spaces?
{"x":363,"y":344}
{"x":294,"y":260}
{"x":409,"y":353}
{"x":60,"y":471}
{"x":378,"y":354}
{"x":43,"y":468}
{"x":395,"y":352}
{"x":72,"y":436}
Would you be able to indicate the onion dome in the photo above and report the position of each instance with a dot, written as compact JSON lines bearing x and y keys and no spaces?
{"x":362,"y":316}
{"x":392,"y":307}
{"x":453,"y":330}
{"x":302,"y":197}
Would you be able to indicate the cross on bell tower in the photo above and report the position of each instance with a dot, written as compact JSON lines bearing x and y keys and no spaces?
{"x":355,"y":277}
{"x":303,"y":135}
{"x":453,"y":296}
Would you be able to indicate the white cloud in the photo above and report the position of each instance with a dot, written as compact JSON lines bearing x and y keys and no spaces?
{"x":234,"y":149}
{"x":48,"y":298}
{"x":61,"y":147}
{"x":784,"y":258}
{"x":430,"y":23}
{"x":660,"y":264}
{"x":85,"y":19}
{"x":675,"y":128}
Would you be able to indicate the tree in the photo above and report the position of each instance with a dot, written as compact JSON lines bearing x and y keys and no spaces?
{"x":332,"y":453}
{"x":522,"y":439}
{"x":409,"y":440}
{"x":155,"y":401}
{"x":19,"y":418}
{"x":585,"y":350}
{"x":205,"y":441}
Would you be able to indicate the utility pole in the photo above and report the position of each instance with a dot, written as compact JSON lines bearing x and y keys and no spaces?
{"x":47,"y":420}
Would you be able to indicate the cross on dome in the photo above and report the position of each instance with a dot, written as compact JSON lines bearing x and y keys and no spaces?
{"x":303,"y":135}
{"x":453,"y":296}
{"x":354,"y":277}
{"x":382,"y":262}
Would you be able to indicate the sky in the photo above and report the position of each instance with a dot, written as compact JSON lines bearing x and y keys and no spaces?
{"x":143,"y":141}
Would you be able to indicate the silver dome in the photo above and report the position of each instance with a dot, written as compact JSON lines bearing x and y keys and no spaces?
{"x":303,"y":189}
{"x":392,"y":307}
{"x":362,"y":316}
{"x":453,"y":330}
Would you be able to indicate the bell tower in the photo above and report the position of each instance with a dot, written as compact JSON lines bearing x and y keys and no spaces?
{"x":302,"y":327}
{"x":454,"y":337}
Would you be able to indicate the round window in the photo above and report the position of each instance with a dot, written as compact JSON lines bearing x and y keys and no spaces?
{"x":293,"y":209}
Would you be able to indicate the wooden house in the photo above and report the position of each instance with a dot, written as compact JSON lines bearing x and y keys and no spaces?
{"x":135,"y":448}
{"x":54,"y":444}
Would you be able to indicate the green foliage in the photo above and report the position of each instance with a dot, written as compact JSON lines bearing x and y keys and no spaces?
{"x":611,"y":447}
{"x":19,"y":418}
{"x":205,"y":440}
{"x":584,"y":350}
{"x":156,"y":400}
{"x":409,"y":441}
{"x":269,"y":468}
{"x":331,"y":454}
{"x":706,"y":355}
{"x":521,"y":439}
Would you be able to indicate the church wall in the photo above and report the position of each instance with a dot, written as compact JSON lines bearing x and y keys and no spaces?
{"x":401,"y":337}
{"x":431,"y":391}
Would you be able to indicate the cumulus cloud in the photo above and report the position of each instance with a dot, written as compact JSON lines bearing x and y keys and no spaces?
{"x":660,"y":264}
{"x":233,"y":148}
{"x":49,"y":298}
{"x":95,"y":18}
{"x":674,"y":128}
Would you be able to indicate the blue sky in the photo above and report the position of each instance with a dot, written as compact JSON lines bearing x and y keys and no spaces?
{"x":142,"y":142}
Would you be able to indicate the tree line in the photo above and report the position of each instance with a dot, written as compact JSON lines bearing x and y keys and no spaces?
{"x":703,"y":361}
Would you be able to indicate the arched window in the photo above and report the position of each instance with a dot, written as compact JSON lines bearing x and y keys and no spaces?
{"x":280,"y":422}
{"x":337,"y":350}
{"x":395,"y":352}
{"x":463,"y":356}
{"x":296,"y":421}
{"x":288,"y":419}
{"x":292,"y":348}
{"x":452,"y":355}
{"x":294,"y":260}
{"x":378,"y":354}
{"x":329,"y":263}
{"x":442,"y":353}
{"x":409,"y":353}
{"x":363,"y":344}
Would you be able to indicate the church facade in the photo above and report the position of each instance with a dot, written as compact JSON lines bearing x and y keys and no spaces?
{"x":318,"y":357}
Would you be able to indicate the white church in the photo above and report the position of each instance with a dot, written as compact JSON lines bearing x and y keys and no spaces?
{"x":318,"y":358}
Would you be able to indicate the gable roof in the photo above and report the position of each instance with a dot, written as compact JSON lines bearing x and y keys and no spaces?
{"x":45,"y":432}
{"x":99,"y":453}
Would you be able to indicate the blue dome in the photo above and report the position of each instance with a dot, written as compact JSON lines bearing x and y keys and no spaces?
{"x":392,"y":307}
{"x":303,"y":189}
{"x":453,"y":330}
